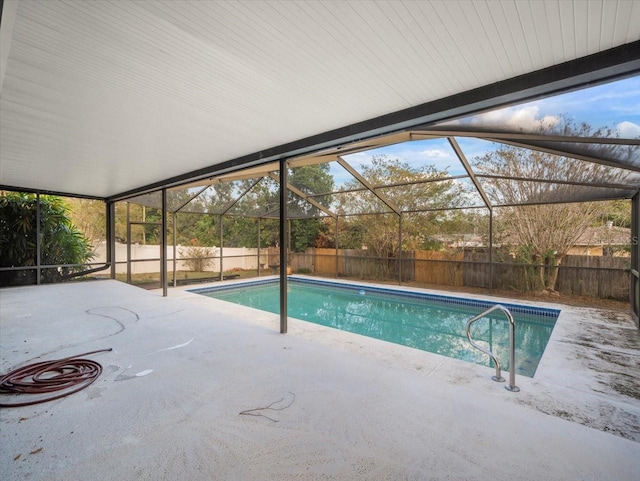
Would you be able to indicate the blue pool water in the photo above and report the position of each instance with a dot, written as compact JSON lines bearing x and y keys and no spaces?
{"x":429,"y":322}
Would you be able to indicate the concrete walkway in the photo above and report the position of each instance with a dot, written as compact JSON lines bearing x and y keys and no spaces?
{"x":183,"y":368}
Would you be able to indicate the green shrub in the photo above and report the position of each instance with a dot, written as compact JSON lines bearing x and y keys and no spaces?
{"x":196,"y":257}
{"x":61,"y":241}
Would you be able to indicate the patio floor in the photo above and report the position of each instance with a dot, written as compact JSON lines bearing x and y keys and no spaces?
{"x":343,"y":407}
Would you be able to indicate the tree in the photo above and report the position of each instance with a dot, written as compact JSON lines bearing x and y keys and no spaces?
{"x":618,"y":212}
{"x":311,"y":179}
{"x":61,"y":241}
{"x":89,"y":216}
{"x":137,"y":213}
{"x":554,"y":221}
{"x":417,"y":191}
{"x":245,"y":200}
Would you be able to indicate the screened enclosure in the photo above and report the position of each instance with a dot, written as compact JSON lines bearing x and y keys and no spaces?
{"x":545,"y":206}
{"x":485,"y":207}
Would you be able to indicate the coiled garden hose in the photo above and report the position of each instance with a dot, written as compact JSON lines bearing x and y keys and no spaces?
{"x":49,"y":377}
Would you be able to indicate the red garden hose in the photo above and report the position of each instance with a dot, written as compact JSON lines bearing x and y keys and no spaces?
{"x":51,"y":376}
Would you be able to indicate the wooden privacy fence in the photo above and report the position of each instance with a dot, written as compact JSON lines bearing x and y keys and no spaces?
{"x":326,"y":262}
{"x":321,"y":262}
{"x":354,"y":263}
{"x":441,"y":268}
{"x":592,"y":276}
{"x":363,"y":264}
{"x":602,"y":277}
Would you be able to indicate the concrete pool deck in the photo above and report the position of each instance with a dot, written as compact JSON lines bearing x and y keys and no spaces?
{"x":183,"y":368}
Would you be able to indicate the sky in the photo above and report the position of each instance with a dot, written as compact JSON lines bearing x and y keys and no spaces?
{"x":615,"y":105}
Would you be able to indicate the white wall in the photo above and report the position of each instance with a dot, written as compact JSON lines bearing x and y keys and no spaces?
{"x":233,"y":258}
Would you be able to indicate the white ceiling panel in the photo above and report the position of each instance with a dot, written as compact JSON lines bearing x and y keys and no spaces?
{"x":102,"y":97}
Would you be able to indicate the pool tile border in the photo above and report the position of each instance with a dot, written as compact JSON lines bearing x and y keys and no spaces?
{"x":544,"y":312}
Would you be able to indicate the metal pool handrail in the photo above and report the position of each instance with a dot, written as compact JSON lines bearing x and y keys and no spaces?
{"x":512,"y":356}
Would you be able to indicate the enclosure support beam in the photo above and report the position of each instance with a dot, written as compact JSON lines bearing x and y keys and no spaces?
{"x":258,"y":246}
{"x":485,"y":198}
{"x":246,"y":191}
{"x":337,"y":260}
{"x":556,"y":151}
{"x":497,"y":136}
{"x":163,"y":244}
{"x":175,"y":238}
{"x":38,"y":241}
{"x":537,"y":179}
{"x":284,"y":236}
{"x":194,"y":196}
{"x":221,"y":248}
{"x":490,"y":251}
{"x":400,"y":248}
{"x":346,"y":166}
{"x":304,"y":196}
{"x":128,"y":243}
{"x":111,"y":236}
{"x":635,"y":258}
{"x":472,"y":175}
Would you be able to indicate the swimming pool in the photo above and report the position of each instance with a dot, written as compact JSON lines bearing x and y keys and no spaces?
{"x":433,"y":323}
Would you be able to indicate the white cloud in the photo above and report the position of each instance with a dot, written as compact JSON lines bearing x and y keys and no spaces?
{"x":628,"y":130}
{"x":526,"y":118}
{"x":438,"y":153}
{"x":603,"y":105}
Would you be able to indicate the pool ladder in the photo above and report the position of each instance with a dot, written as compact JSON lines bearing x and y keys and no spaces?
{"x":512,"y":356}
